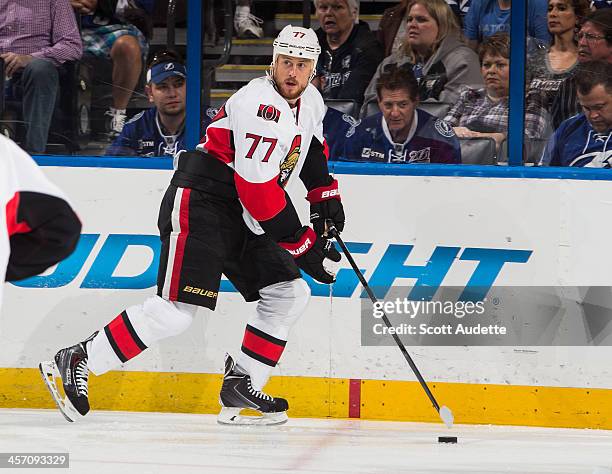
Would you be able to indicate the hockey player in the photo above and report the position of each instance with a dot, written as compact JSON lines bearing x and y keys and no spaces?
{"x":401,"y":133}
{"x":38,"y":228}
{"x":585,"y":140}
{"x":226,"y":211}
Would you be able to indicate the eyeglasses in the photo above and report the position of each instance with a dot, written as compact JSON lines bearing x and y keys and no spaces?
{"x":165,"y":55}
{"x":589,"y":38}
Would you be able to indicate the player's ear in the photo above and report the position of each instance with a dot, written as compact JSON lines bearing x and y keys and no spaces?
{"x":149,"y":91}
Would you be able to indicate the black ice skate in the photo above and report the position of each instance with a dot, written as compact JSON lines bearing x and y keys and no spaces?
{"x":237,"y":393}
{"x":70,"y":365}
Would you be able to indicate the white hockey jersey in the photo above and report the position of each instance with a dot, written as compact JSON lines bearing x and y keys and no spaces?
{"x":266,"y":142}
{"x":37,"y":226}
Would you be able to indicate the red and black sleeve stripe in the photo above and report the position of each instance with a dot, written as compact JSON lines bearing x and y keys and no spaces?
{"x":315,"y":173}
{"x":123,"y":338}
{"x":262,"y":347}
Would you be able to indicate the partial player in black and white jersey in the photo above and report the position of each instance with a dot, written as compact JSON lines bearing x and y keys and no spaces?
{"x":226,"y":211}
{"x":38,"y":228}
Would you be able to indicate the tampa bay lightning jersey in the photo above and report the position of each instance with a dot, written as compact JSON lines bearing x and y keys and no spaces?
{"x":143,"y":135}
{"x":337,"y":128}
{"x":575,"y":143}
{"x":430,"y":140}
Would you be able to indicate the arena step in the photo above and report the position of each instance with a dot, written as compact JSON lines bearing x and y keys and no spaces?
{"x":244,"y":47}
{"x":283,"y":19}
{"x":219,"y":96}
{"x":240,"y":72}
{"x":160,"y":36}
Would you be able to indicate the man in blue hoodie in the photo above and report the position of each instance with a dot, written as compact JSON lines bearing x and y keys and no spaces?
{"x":584,"y":139}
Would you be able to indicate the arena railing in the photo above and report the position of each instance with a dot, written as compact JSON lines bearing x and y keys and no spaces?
{"x":515,"y":139}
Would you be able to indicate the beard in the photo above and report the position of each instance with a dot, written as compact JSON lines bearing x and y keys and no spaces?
{"x":292,"y":94}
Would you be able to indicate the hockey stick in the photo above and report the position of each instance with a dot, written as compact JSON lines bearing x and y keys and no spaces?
{"x":443,"y":411}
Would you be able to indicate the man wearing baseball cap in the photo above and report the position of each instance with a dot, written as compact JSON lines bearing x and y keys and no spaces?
{"x":158,"y":131}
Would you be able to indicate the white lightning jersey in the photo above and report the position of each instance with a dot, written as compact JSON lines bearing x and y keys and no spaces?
{"x":266,"y":142}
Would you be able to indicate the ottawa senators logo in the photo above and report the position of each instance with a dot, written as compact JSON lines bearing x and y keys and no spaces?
{"x":268,"y":112}
{"x":290,"y":161}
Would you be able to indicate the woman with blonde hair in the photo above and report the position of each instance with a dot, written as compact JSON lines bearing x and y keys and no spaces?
{"x":441,"y":61}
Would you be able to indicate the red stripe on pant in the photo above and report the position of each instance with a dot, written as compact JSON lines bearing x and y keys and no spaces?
{"x":179,"y":254}
{"x":262,"y":347}
{"x":123,"y":338}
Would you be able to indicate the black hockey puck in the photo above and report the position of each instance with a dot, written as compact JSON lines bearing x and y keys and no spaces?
{"x":447,"y":439}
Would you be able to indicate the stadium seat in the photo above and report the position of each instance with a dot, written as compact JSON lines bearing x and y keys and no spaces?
{"x":478,"y":151}
{"x":437,"y":109}
{"x":372,"y":108}
{"x":534,"y":147}
{"x":350,"y":107}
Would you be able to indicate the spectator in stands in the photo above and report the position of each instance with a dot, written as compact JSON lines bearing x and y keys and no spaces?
{"x":160,"y":130}
{"x":547,"y":68}
{"x":117,"y":29}
{"x":337,"y":128}
{"x":459,"y":8}
{"x":394,"y":22}
{"x":484,"y":112}
{"x":441,"y":62}
{"x":585,"y":139}
{"x":597,"y":4}
{"x":401,"y":133}
{"x":246,"y":24}
{"x":35,"y":38}
{"x":349,"y":51}
{"x":487,"y":17}
{"x":594,"y":44}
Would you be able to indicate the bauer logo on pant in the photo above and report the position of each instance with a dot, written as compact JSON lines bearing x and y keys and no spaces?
{"x":200,"y":291}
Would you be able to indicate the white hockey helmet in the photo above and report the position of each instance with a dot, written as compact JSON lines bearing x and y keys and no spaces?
{"x":297,"y":42}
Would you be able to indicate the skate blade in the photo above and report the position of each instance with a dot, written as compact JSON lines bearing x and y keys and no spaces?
{"x":49,"y":373}
{"x":232,"y":416}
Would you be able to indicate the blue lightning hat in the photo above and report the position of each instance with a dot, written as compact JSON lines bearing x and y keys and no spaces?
{"x":162,"y":71}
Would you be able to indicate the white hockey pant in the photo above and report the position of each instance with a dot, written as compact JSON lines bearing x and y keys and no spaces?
{"x":265,"y":336}
{"x":136,"y":329}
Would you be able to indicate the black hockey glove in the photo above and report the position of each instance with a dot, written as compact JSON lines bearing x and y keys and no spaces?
{"x":325,"y":204}
{"x":309,"y":251}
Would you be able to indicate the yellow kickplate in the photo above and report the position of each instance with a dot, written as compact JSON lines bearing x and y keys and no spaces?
{"x":324,"y":397}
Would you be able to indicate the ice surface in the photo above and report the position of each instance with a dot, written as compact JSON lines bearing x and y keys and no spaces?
{"x":138,"y":443}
